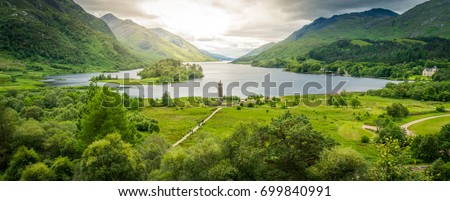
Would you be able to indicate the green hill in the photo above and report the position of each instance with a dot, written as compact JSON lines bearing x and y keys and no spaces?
{"x":60,"y":35}
{"x":425,"y":20}
{"x":217,"y":56}
{"x":248,"y":58}
{"x":153,"y":44}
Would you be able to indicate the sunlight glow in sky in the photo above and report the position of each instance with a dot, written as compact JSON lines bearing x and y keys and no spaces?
{"x":233,"y":27}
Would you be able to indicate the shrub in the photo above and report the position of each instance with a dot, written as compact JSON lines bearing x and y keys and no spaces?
{"x":365,"y":139}
{"x":440,"y":108}
{"x":239,"y":108}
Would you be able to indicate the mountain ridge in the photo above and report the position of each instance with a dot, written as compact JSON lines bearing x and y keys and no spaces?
{"x":374,"y":24}
{"x":152,"y":44}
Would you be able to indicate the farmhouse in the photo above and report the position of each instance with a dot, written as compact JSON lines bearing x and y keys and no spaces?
{"x":429,"y":72}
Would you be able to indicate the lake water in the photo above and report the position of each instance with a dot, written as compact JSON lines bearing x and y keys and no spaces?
{"x":238,"y":80}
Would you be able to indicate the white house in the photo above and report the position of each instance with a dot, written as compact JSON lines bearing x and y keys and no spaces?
{"x":429,"y":72}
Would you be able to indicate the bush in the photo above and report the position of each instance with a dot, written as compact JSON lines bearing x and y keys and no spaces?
{"x":365,"y":139}
{"x":397,"y":110}
{"x":38,"y":172}
{"x":239,"y":108}
{"x":251,"y":105}
{"x":440,"y":108}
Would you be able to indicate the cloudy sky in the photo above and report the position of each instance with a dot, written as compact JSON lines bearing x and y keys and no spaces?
{"x":234,"y":27}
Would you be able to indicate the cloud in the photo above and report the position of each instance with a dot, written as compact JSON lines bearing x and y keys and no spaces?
{"x":233,"y":28}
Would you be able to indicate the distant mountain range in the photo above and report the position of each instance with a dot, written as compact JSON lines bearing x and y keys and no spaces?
{"x":153,"y":44}
{"x":217,"y":56}
{"x":430,"y":19}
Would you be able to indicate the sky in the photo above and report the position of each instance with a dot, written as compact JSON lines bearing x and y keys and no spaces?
{"x":234,"y":27}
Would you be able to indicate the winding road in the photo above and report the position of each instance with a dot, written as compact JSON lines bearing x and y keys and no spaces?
{"x":406,"y":126}
{"x":196,"y":128}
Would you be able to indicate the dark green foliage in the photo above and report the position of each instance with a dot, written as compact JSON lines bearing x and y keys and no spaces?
{"x":111,"y":159}
{"x":63,"y":168}
{"x":38,"y":172}
{"x":422,"y":91}
{"x":144,"y":124}
{"x":152,"y":150}
{"x":167,"y":100}
{"x":22,"y":158}
{"x":391,"y":165}
{"x":105,"y":114}
{"x":442,"y":75}
{"x":34,"y":112}
{"x":439,"y":171}
{"x":339,"y":164}
{"x":282,"y":150}
{"x":432,"y":147}
{"x":8,"y":122}
{"x":397,"y":110}
{"x":391,"y":131}
{"x":60,"y":33}
{"x":440,"y":108}
{"x":365,"y":139}
{"x":171,"y":70}
{"x":29,"y":134}
{"x":390,"y":52}
{"x":355,"y":103}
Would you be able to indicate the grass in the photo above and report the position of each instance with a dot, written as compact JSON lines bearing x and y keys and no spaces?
{"x":361,"y":43}
{"x":339,"y":123}
{"x":431,"y":126}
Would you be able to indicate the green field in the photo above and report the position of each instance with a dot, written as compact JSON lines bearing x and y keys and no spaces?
{"x":431,"y":126}
{"x":339,"y":123}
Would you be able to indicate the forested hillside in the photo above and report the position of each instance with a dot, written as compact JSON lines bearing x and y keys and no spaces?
{"x":59,"y":34}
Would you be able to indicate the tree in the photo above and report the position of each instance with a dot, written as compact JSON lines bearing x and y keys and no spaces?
{"x":63,"y":169}
{"x":167,"y":100}
{"x":355,"y":103}
{"x":392,"y":131}
{"x":152,"y":150}
{"x":8,"y":122}
{"x":397,"y":110}
{"x":439,"y":171}
{"x":22,"y":158}
{"x":391,"y":164}
{"x":282,"y":150}
{"x":111,"y":159}
{"x":339,"y":164}
{"x":103,"y":115}
{"x":32,"y":112}
{"x":426,"y":148}
{"x":38,"y":172}
{"x":30,"y":134}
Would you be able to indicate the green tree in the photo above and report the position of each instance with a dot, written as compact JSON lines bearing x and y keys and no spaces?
{"x":33,"y":112}
{"x":391,"y":164}
{"x":167,"y":100}
{"x":38,"y":172}
{"x":439,"y":171}
{"x":152,"y":150}
{"x":63,"y":168}
{"x":339,"y":164}
{"x":30,"y":134}
{"x":397,"y":110}
{"x":111,"y":159}
{"x":392,"y":131}
{"x":8,"y":121}
{"x":355,"y":103}
{"x":282,"y":150}
{"x":21,"y":159}
{"x":103,"y":115}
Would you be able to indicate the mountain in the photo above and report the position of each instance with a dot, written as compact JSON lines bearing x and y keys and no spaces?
{"x":430,"y":19}
{"x":59,"y":34}
{"x":153,"y":44}
{"x":248,"y":58}
{"x":217,"y":56}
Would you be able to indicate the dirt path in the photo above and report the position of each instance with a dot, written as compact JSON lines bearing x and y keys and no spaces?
{"x":196,"y":128}
{"x":406,"y":126}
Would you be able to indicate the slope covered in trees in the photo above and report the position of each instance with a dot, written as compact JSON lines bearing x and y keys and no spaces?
{"x":59,"y":33}
{"x":429,"y":19}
